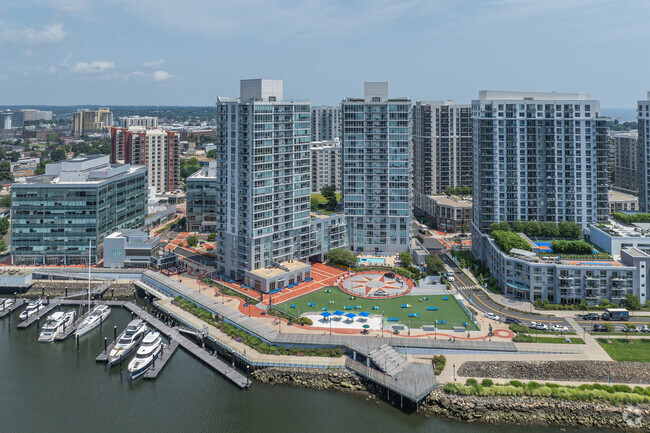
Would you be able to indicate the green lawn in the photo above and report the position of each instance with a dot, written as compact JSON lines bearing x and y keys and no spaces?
{"x":447,"y":310}
{"x":624,"y":349}
{"x":525,"y":338}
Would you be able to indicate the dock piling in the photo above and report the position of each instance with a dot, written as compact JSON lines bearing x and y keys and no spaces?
{"x":105,"y":340}
{"x":76,"y":337}
{"x":38,"y":325}
{"x":115,"y":333}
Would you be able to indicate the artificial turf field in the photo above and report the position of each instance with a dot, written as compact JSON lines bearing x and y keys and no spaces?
{"x":449,"y":310}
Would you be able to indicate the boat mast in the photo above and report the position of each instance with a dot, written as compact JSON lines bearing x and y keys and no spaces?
{"x":90,"y":246}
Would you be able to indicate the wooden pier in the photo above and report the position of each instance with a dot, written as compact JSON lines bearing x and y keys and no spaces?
{"x":157,"y":366}
{"x":6,"y":311}
{"x":53,"y":303}
{"x":103,"y":357}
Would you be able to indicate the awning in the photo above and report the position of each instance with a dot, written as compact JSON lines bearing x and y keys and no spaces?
{"x":351,"y":315}
{"x":326,"y":314}
{"x":364,"y":314}
{"x":338,"y":313}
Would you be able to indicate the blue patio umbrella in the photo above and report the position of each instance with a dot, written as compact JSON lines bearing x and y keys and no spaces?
{"x":364,"y":314}
{"x":326,"y":314}
{"x":351,"y":315}
{"x":338,"y":313}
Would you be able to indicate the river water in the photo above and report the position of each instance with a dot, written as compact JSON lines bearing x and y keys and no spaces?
{"x":51,"y":388}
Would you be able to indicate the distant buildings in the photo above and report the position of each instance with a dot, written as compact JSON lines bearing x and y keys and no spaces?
{"x":23,"y":168}
{"x":377,"y":170}
{"x":32,"y":115}
{"x":91,"y":121}
{"x":10,"y":119}
{"x":442,"y":147}
{"x":325,"y":123}
{"x":158,"y":149}
{"x":144,"y":121}
{"x":326,"y":165}
{"x":450,"y":214}
{"x":626,"y":161}
{"x":538,"y":156}
{"x":54,"y":216}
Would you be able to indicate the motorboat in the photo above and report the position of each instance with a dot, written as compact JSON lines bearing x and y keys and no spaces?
{"x":33,"y":308}
{"x":127,"y":341}
{"x":93,"y":319}
{"x":6,"y":303}
{"x":56,"y":325}
{"x":149,"y":350}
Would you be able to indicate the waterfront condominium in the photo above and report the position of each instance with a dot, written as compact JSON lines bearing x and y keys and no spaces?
{"x":442,"y":146}
{"x":263,"y":189}
{"x":643,"y":117}
{"x":55,"y":215}
{"x":377,"y":170}
{"x":538,"y":156}
{"x":325,"y":165}
{"x":626,"y":161}
{"x":156,"y":148}
{"x":325,"y":123}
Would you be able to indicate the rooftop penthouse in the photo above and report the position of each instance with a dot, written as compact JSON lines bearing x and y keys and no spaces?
{"x":93,"y":169}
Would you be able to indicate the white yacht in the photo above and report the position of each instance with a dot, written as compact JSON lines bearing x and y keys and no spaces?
{"x":33,"y":308}
{"x":92,"y":320}
{"x":6,"y":303}
{"x":127,"y":341}
{"x":56,"y":325}
{"x":150,"y":348}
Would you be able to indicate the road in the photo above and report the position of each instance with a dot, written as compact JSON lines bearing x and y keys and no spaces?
{"x":480,"y":302}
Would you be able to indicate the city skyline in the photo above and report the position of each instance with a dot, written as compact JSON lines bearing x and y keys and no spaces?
{"x":60,"y":53}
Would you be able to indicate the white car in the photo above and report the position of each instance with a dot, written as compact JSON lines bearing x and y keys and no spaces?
{"x":645,"y":328}
{"x":559,"y":328}
{"x":451,"y":279}
{"x":541,"y":327}
{"x":492,"y":316}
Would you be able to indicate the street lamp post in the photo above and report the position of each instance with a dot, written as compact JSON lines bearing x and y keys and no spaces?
{"x":454,"y":372}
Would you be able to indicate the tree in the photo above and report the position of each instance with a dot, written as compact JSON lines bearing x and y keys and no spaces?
{"x":5,"y":200}
{"x":341,"y":257}
{"x":4,"y":226}
{"x":3,"y":246}
{"x":189,"y":167}
{"x":532,"y":229}
{"x":549,"y":229}
{"x":465,"y":228}
{"x":212,"y":153}
{"x":632,"y":302}
{"x":570,"y":229}
{"x":609,"y":327}
{"x":480,"y":280}
{"x":465,"y":190}
{"x":434,"y":264}
{"x":212,"y":237}
{"x":449,"y":190}
{"x":192,"y":241}
{"x":406,"y":259}
{"x":57,"y":155}
{"x":518,"y":226}
{"x":329,"y":193}
{"x":504,"y":227}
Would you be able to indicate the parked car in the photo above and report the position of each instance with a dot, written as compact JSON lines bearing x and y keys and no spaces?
{"x":645,"y":328}
{"x":591,"y":316}
{"x":628,"y":328}
{"x":541,"y":327}
{"x":559,"y":328}
{"x":599,"y":327}
{"x":532,"y":325}
{"x":512,"y":320}
{"x":492,"y":316}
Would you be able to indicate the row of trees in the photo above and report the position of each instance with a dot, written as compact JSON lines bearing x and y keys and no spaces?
{"x":630,"y":219}
{"x":571,"y":247}
{"x":566,"y":229}
{"x":461,"y":190}
{"x":346,"y":258}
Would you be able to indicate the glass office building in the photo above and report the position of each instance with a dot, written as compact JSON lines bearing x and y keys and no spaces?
{"x":56,"y":215}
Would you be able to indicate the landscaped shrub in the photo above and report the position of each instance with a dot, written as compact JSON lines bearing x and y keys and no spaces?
{"x":487,"y":383}
{"x":439,"y":361}
{"x":509,"y":240}
{"x":622,"y":388}
{"x":471,"y":382}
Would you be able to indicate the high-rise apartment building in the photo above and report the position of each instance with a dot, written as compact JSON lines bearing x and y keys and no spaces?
{"x":144,"y":121}
{"x":326,"y":165}
{"x":626,"y":161}
{"x":442,"y":146}
{"x":32,"y":115}
{"x":91,"y":121}
{"x":538,"y":156}
{"x":643,"y":117}
{"x":263,"y":192}
{"x":377,"y":170}
{"x":55,"y":215}
{"x":325,"y":123}
{"x":158,"y":149}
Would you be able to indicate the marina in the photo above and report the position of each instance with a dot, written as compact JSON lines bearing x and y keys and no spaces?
{"x":49,"y":306}
{"x":7,"y":308}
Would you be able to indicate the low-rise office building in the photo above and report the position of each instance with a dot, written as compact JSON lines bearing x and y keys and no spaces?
{"x":620,"y":201}
{"x":76,"y":202}
{"x":450,"y":213}
{"x":135,"y":249}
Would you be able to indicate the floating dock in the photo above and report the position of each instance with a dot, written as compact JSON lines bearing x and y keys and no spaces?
{"x":6,"y":311}
{"x":162,"y":360}
{"x":53,"y":303}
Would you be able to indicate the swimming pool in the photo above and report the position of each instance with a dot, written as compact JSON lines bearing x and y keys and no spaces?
{"x":374,"y":260}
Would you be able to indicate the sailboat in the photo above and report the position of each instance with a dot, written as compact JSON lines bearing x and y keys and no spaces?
{"x":95,"y":316}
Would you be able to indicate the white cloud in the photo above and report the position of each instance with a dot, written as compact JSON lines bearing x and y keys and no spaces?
{"x":162,"y":76}
{"x":48,"y":34}
{"x":153,"y":63}
{"x":94,"y":67}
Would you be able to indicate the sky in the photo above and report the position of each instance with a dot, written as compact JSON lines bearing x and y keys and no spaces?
{"x":188,"y":52}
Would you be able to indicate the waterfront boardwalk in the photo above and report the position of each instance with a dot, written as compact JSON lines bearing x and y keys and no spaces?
{"x":13,"y":307}
{"x":162,"y":360}
{"x":36,"y":317}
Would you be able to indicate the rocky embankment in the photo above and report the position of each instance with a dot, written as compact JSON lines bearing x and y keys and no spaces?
{"x":537,"y":411}
{"x":52,"y":289}
{"x":578,"y":371}
{"x":492,"y":410}
{"x":313,"y":378}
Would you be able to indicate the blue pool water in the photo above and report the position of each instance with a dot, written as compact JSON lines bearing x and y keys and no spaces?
{"x":374,"y":260}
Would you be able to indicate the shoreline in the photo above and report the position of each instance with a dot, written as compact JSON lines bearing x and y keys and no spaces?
{"x":524,"y":410}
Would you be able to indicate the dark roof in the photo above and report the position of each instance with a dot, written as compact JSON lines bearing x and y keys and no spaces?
{"x":432,"y":244}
